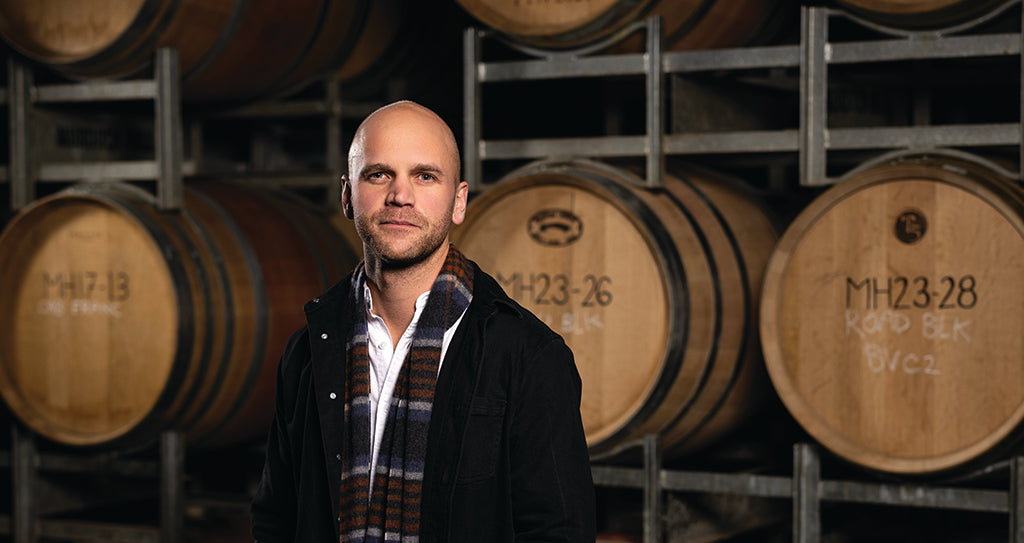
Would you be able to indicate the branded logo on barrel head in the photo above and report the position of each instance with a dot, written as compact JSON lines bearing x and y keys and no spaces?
{"x":911,"y":226}
{"x":554,"y":227}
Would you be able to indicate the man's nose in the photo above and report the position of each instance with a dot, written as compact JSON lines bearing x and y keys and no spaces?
{"x":400,"y":191}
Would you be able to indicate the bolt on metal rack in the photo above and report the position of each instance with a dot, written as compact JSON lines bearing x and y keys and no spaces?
{"x":811,"y":57}
{"x":167,"y":167}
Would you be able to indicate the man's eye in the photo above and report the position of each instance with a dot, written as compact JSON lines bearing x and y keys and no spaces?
{"x":427,"y":177}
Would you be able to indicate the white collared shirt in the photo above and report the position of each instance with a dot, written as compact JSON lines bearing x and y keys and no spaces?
{"x":386,"y":361}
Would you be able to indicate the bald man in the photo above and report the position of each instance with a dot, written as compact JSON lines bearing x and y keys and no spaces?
{"x":420,"y":403}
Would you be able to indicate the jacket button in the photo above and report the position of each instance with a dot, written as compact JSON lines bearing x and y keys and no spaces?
{"x":338,"y":456}
{"x":323,"y":336}
{"x":333,"y":395}
{"x":316,"y":300}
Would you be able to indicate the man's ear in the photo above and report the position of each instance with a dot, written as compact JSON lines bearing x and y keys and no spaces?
{"x":461,"y":201}
{"x":346,"y":196}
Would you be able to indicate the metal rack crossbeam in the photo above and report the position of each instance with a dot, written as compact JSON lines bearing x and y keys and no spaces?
{"x":914,"y":47}
{"x":26,"y":461}
{"x":817,"y":53}
{"x":810,"y":58}
{"x":559,"y":65}
{"x":167,"y":167}
{"x":334,"y":110}
{"x":807,"y":490}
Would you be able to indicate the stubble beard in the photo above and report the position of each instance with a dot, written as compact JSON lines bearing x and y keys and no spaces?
{"x":390,"y":258}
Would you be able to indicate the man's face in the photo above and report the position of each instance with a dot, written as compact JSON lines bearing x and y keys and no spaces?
{"x":402,"y":190}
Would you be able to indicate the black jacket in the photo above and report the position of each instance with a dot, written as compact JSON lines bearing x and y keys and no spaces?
{"x":507,"y":458}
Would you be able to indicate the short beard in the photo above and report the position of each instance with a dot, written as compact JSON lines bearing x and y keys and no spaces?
{"x":389,"y":260}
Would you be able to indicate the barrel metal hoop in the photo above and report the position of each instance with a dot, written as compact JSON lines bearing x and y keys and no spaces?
{"x":892,"y":30}
{"x":187,"y":423}
{"x":748,"y":322}
{"x":227,"y":33}
{"x":261,"y":313}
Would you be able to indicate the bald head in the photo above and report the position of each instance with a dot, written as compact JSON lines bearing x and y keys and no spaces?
{"x":402,"y":189}
{"x":397,"y":116}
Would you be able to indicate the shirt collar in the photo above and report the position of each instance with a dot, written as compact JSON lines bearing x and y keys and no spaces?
{"x":421,"y":301}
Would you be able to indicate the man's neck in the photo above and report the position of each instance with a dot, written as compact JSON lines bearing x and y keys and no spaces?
{"x":395,"y":290}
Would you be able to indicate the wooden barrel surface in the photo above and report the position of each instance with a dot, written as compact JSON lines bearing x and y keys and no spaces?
{"x":379,"y":34}
{"x":654,"y":292}
{"x":913,"y":14}
{"x":405,"y":47}
{"x":699,"y":24}
{"x":227,"y":49}
{"x":124,"y":321}
{"x":892,"y":314}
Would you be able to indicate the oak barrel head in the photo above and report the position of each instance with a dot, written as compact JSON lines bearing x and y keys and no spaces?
{"x":649,"y":289}
{"x":125,"y":320}
{"x":891,"y":316}
{"x":89,"y":296}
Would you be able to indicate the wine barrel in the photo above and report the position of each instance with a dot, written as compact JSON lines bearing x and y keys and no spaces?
{"x":706,"y":24}
{"x":406,"y":48}
{"x":892,"y":313}
{"x":347,"y":228}
{"x":655,"y":292}
{"x":122,"y":321}
{"x":378,"y":36}
{"x":919,"y":14}
{"x":227,"y":49}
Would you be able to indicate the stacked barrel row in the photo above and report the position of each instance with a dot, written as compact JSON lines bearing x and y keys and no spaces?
{"x":228,"y":51}
{"x":695,"y":25}
{"x":886,"y":312}
{"x":122,"y":320}
{"x":887,"y":315}
{"x":890,"y":312}
{"x":237,"y":50}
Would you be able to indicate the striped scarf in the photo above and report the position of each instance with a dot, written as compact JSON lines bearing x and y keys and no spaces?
{"x":392,"y":513}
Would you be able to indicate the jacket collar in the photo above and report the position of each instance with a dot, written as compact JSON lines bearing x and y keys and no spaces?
{"x":486,"y":291}
{"x":328,"y":320}
{"x":490,"y":295}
